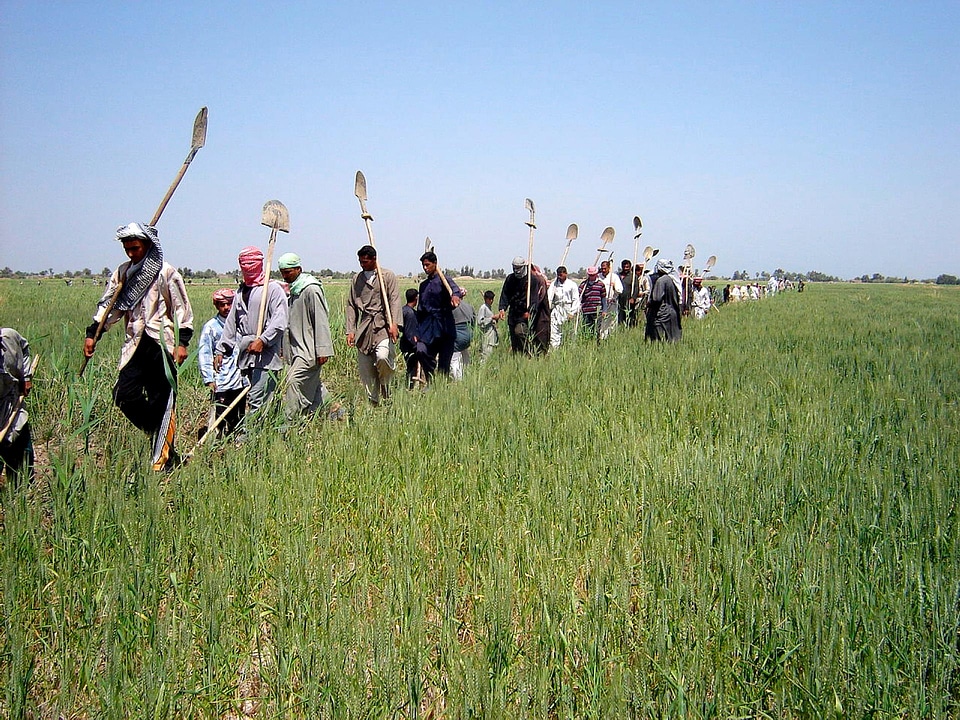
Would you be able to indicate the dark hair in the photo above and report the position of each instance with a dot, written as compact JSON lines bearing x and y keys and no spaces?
{"x":625,"y":262}
{"x":488,"y":294}
{"x":562,"y":268}
{"x":431,"y":256}
{"x":367,"y":251}
{"x":412,"y":294}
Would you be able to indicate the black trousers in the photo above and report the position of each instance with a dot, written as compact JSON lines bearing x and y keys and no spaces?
{"x":436,"y":356}
{"x":222,"y":401}
{"x":17,"y":457}
{"x":142,"y":387}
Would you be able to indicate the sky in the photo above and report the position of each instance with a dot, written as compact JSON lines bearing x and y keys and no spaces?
{"x":796,"y":135}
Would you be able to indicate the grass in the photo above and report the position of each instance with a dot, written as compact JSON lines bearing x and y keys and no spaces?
{"x":759,"y":522}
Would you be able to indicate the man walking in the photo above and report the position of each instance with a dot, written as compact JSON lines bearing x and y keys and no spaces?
{"x":613,"y":288}
{"x":437,"y":329}
{"x":518,"y":304}
{"x":593,"y":302}
{"x":701,"y":300}
{"x":148,"y":294}
{"x":663,"y":308}
{"x":307,"y":344}
{"x":258,"y":349}
{"x":367,"y":325}
{"x":16,"y":380}
{"x":564,"y":298}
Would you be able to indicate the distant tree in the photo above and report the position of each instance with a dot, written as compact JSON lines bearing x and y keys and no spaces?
{"x":941,"y":279}
{"x":466,"y":270}
{"x":6,"y":272}
{"x":814,"y":276}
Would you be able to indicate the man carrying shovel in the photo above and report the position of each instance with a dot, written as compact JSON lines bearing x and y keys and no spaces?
{"x":149,"y":295}
{"x":371,"y":327}
{"x":258,"y":349}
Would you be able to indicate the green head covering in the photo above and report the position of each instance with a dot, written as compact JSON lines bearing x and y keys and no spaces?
{"x":289,"y":260}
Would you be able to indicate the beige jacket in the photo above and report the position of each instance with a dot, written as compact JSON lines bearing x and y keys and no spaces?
{"x":163,"y":309}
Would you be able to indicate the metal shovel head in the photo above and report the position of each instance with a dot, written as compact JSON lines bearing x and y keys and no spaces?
{"x":427,"y":245}
{"x":711,"y":261}
{"x":656,"y":251}
{"x":360,"y":187}
{"x":199,"y":129}
{"x":528,"y":204}
{"x":275,"y":216}
{"x":607,"y":235}
{"x":689,"y":252}
{"x":637,"y":224}
{"x":572,"y":231}
{"x":647,"y":253}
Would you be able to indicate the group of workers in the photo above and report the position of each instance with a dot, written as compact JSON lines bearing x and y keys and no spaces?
{"x":263,"y":327}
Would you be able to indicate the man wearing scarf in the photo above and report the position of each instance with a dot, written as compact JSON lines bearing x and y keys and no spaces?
{"x":515,"y":307}
{"x":226,"y":383}
{"x":257,"y":348}
{"x":307,"y":344}
{"x":148,"y":294}
{"x":366,"y":324}
{"x":663,"y":307}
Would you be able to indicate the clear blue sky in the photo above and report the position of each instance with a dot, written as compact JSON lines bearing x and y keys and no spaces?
{"x":803,"y":135}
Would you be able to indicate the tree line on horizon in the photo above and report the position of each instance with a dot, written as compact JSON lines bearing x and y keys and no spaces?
{"x":497,"y":274}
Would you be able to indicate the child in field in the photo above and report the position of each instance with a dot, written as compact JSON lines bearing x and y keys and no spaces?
{"x":226,"y":383}
{"x":487,"y":322}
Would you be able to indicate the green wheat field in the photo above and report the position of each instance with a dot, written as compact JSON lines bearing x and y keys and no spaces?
{"x":761,"y":521}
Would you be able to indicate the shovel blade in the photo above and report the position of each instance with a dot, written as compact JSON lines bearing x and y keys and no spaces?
{"x":199,"y":129}
{"x":427,"y":245}
{"x":360,"y":187}
{"x":637,"y":224}
{"x":275,"y":216}
{"x":647,"y":253}
{"x":607,"y":235}
{"x":572,"y":231}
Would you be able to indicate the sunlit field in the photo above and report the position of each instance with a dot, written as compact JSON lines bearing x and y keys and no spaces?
{"x":761,"y":521}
